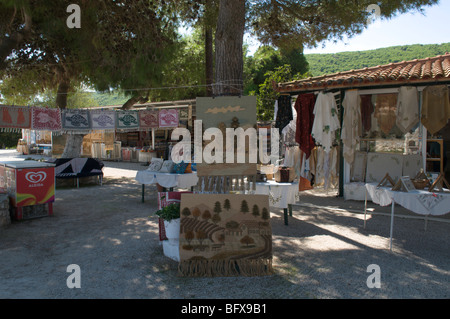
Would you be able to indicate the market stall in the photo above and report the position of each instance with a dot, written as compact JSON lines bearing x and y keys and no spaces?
{"x":398,"y":110}
{"x":390,"y":126}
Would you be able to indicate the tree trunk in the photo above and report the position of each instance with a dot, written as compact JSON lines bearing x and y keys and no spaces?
{"x":74,"y":142}
{"x":209,"y":66}
{"x":229,"y":53}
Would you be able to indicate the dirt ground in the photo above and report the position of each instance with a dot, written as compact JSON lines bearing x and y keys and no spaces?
{"x":112,"y":236}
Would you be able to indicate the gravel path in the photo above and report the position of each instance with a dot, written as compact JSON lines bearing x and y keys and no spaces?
{"x":113,"y":237}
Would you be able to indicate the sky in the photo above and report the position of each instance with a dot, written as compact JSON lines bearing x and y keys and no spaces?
{"x":430,"y":27}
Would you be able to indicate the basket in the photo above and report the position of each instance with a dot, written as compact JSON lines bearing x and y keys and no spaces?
{"x":421,"y":183}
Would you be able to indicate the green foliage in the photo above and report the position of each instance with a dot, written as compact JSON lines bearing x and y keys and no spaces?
{"x":320,"y":64}
{"x":9,"y":140}
{"x":169,"y":212}
{"x":267,"y":95}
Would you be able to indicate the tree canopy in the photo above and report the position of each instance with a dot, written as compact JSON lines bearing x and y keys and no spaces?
{"x":119,"y":44}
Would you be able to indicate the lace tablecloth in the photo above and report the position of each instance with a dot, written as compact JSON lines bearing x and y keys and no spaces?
{"x":167,"y":180}
{"x":280,"y":194}
{"x":418,"y":201}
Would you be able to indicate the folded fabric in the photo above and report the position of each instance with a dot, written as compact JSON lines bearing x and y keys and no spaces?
{"x":15,"y":117}
{"x":155,"y":164}
{"x":167,"y":167}
{"x":180,"y":168}
{"x":46,"y":119}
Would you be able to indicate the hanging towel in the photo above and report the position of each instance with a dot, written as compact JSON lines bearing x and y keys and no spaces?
{"x":148,"y":119}
{"x":169,"y":118}
{"x":46,"y":119}
{"x":326,"y":120}
{"x":407,"y":108}
{"x":351,"y":129}
{"x":15,"y":117}
{"x":77,"y":121}
{"x":103,"y":120}
{"x":127,"y":121}
{"x":385,"y":111}
{"x":284,"y":113}
{"x":435,"y":108}
{"x":304,"y":105}
{"x":366,"y":112}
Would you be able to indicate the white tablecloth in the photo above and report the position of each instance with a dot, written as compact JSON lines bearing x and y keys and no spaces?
{"x":167,"y":180}
{"x":280,"y":194}
{"x":418,"y":201}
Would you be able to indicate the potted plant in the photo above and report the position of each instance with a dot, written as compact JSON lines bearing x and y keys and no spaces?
{"x":170,"y":214}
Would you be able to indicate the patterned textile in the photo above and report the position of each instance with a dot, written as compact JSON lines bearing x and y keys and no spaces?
{"x":435,"y":108}
{"x":148,"y":119}
{"x":351,"y":129}
{"x":284,"y":113}
{"x":127,"y":120}
{"x":304,"y":105}
{"x":103,"y":120}
{"x":326,"y":121}
{"x":76,"y":120}
{"x":407,"y":108}
{"x":46,"y":119}
{"x":155,"y":164}
{"x":169,"y":118}
{"x":15,"y":117}
{"x":225,"y":235}
{"x":385,"y":111}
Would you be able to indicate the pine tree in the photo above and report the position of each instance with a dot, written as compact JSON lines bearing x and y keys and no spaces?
{"x":244,"y":207}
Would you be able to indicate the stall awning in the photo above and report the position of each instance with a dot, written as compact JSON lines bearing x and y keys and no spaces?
{"x":427,"y":71}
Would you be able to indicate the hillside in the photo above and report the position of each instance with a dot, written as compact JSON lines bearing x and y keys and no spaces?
{"x":320,"y":64}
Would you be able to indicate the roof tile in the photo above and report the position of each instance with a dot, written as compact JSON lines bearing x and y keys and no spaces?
{"x":414,"y":71}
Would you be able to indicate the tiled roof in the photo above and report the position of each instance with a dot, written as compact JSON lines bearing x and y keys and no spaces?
{"x":429,"y":70}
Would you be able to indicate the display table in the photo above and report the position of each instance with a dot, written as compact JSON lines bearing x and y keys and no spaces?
{"x":167,"y":180}
{"x":420,"y":202}
{"x":281,"y":195}
{"x":28,"y":183}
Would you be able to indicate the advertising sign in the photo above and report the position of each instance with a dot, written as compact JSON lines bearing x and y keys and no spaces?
{"x":35,"y":186}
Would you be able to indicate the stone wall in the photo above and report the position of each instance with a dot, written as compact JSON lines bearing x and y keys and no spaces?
{"x":5,"y":219}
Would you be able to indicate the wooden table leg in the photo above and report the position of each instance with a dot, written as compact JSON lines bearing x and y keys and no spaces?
{"x":143,"y":192}
{"x":290,"y":209}
{"x":285,"y":216}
